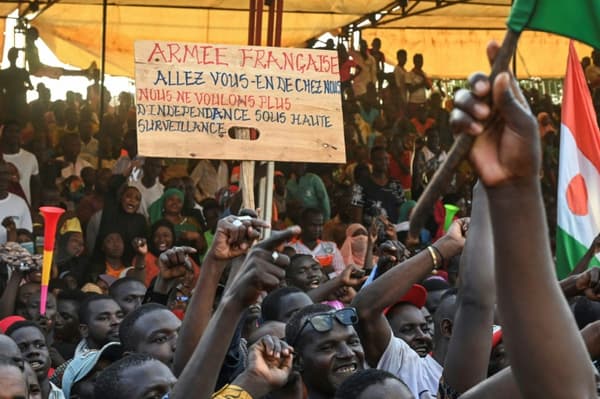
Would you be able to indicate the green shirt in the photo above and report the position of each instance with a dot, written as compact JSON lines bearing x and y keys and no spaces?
{"x":310,"y":190}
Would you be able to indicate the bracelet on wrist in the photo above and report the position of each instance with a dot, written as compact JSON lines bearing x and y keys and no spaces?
{"x":439,"y":254}
{"x":434,"y":258}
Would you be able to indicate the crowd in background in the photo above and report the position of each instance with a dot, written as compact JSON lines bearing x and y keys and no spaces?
{"x":154,"y":253}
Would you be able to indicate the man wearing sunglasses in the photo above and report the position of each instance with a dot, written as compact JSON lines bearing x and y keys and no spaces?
{"x":327,"y":348}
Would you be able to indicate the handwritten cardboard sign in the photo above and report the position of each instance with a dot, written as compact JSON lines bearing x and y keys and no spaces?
{"x":189,"y":96}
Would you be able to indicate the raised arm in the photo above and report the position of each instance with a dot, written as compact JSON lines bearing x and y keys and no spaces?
{"x":503,"y":384}
{"x":263,"y":271}
{"x":351,"y":276}
{"x":586,"y":283}
{"x":472,"y":327}
{"x":232,"y":238}
{"x":506,"y":155}
{"x":584,"y":262}
{"x":270,"y":364}
{"x":372,"y":327}
{"x":8,"y":299}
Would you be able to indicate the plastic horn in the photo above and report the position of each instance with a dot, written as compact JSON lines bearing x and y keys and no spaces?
{"x":450,"y":212}
{"x":51,"y":215}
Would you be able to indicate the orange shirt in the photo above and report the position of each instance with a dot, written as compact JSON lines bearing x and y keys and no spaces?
{"x":111,"y":271}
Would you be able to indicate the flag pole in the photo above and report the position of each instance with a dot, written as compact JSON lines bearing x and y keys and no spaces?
{"x":460,"y":149}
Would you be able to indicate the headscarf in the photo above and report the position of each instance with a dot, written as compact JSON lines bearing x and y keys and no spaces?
{"x":405,"y":209}
{"x":354,"y":249}
{"x":61,"y":254}
{"x":155,"y":211}
{"x":116,"y":219}
{"x":71,"y":225}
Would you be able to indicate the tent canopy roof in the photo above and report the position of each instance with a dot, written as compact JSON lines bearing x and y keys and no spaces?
{"x":72,"y":28}
{"x":452,"y":37}
{"x":427,"y":14}
{"x":451,"y":34}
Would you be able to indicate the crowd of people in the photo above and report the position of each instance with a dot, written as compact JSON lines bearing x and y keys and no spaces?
{"x":162,"y":287}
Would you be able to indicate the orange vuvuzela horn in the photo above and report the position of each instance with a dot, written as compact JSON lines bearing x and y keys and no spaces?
{"x":51,"y":215}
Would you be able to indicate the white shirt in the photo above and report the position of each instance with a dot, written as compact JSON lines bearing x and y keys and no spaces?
{"x":421,"y":374}
{"x":208,"y":179}
{"x":400,"y":78}
{"x":89,"y":151}
{"x":368,"y":73}
{"x":74,"y":169}
{"x":15,"y":207}
{"x":27,"y":165}
{"x":149,"y":195}
{"x":418,"y":96}
{"x":124,"y":162}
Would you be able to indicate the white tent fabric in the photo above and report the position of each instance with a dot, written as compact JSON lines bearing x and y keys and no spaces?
{"x":452,"y":38}
{"x":454,"y":54}
{"x":72,"y":29}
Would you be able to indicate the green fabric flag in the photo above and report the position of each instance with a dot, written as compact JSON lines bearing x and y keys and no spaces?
{"x":577,"y":19}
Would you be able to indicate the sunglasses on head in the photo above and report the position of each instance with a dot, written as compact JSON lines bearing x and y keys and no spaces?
{"x":323,"y":322}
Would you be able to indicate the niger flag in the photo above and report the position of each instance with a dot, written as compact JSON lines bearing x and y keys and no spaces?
{"x":577,"y":19}
{"x":579,"y":171}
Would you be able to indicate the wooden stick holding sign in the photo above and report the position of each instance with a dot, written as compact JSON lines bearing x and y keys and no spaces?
{"x":246,"y":173}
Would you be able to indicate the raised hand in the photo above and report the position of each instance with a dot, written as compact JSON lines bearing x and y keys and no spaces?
{"x":389,"y":228}
{"x":270,"y":359}
{"x":269,"y":367}
{"x":389,"y":255}
{"x":352,"y":276}
{"x":175,"y":262}
{"x":507,"y":146}
{"x":588,"y":283}
{"x":9,"y":223}
{"x":453,"y":242}
{"x":263,"y":269}
{"x":234,"y":236}
{"x":345,"y":294}
{"x":11,"y":228}
{"x":140,"y":246}
{"x":373,"y":230}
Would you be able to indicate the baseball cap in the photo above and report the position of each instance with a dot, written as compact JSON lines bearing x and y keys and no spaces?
{"x":83,"y":364}
{"x":6,"y":322}
{"x":417,"y":296}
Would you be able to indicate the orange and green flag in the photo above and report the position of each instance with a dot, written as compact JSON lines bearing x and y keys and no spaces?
{"x":579,"y":163}
{"x":578,"y":19}
{"x":579,"y":171}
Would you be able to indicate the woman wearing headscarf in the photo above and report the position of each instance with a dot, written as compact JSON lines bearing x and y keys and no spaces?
{"x":70,"y":252}
{"x":170,"y":207}
{"x":355,"y":245}
{"x":120,"y":214}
